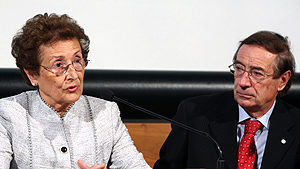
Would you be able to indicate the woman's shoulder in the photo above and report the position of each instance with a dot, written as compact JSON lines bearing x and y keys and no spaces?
{"x":103,"y":109}
{"x":14,"y":108}
{"x":97,"y":103}
{"x":15,"y":101}
{"x":19,"y":99}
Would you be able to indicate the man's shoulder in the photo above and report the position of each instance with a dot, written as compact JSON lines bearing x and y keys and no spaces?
{"x":288,"y":107}
{"x":219,"y":106}
{"x":217,"y":97}
{"x":219,"y":102}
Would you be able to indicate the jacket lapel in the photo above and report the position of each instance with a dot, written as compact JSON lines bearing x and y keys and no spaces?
{"x":279,"y":139}
{"x":224,"y":131}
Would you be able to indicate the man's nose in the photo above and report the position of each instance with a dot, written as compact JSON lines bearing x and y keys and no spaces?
{"x":245,"y":80}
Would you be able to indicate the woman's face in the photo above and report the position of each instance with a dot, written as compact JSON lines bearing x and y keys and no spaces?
{"x":59,"y":91}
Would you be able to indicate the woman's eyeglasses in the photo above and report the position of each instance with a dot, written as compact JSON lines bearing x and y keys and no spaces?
{"x":61,"y":68}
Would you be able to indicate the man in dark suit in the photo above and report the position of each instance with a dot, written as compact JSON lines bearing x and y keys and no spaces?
{"x":263,"y":68}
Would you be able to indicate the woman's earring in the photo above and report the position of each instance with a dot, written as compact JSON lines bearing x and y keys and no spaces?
{"x":33,"y":84}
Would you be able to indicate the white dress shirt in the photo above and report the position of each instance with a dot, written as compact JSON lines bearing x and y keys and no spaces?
{"x":260,"y":136}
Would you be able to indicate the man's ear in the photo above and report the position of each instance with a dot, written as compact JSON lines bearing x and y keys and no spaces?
{"x":33,"y":77}
{"x":284,"y":78}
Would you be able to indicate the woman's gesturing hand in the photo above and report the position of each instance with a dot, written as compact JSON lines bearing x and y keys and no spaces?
{"x":82,"y":165}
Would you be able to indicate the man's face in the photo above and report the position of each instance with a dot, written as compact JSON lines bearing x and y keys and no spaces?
{"x":256,"y":97}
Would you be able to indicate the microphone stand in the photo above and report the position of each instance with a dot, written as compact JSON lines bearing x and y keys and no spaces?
{"x":220,"y":161}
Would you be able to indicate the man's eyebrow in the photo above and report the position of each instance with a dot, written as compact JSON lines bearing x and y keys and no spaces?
{"x":238,"y":62}
{"x":251,"y":67}
{"x":258,"y":68}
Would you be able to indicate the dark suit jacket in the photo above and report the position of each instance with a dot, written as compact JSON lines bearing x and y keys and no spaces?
{"x":217,"y":115}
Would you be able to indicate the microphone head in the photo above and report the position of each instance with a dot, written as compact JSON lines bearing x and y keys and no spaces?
{"x":107,"y":94}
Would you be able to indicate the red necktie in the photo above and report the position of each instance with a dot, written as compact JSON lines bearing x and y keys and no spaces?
{"x":247,"y":148}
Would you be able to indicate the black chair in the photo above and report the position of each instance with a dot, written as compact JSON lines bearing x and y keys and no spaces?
{"x":158,"y":91}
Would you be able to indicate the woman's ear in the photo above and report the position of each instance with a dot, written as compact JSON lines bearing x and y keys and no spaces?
{"x":33,"y":77}
{"x":284,"y":78}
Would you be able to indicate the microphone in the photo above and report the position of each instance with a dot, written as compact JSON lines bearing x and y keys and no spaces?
{"x":107,"y":94}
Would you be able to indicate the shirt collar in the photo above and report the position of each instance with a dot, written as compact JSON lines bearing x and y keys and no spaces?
{"x":264,"y":120}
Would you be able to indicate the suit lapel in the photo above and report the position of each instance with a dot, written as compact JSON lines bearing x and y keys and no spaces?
{"x":224,"y":131}
{"x":279,"y":140}
{"x":226,"y":138}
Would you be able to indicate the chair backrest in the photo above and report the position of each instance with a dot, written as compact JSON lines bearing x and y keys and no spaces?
{"x":158,"y":91}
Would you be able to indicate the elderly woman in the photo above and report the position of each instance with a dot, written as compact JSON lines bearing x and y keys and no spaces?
{"x":56,"y":126}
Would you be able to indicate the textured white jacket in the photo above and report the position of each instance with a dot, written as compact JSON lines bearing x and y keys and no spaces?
{"x":42,"y":139}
